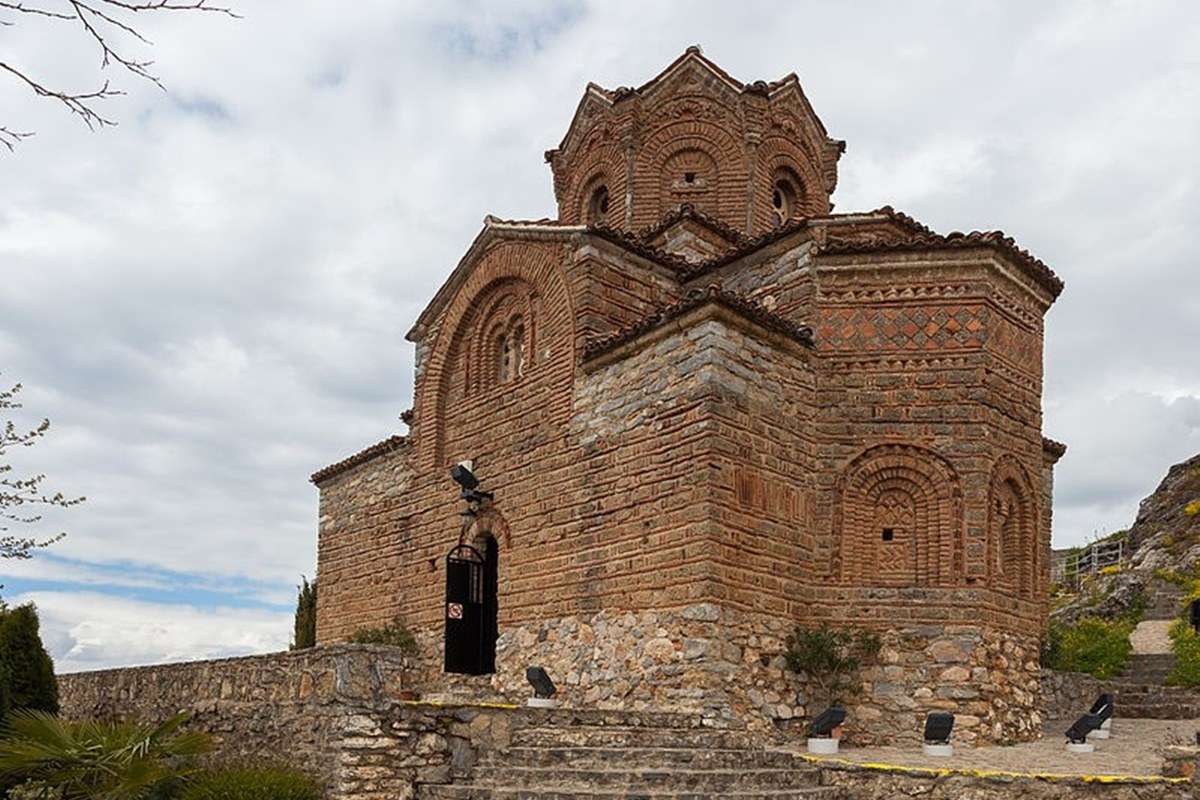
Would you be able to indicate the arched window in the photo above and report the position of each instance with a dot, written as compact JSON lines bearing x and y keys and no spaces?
{"x":510,"y":352}
{"x":785,"y":200}
{"x":597,"y":212}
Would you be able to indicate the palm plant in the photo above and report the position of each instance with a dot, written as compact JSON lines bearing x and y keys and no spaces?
{"x":92,"y":760}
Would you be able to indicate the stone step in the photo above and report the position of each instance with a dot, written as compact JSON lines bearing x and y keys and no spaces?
{"x":474,"y":792}
{"x":663,"y":779}
{"x":651,"y":757}
{"x":594,"y":717}
{"x":620,"y":736}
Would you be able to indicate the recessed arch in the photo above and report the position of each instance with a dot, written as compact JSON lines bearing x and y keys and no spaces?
{"x":1014,"y":565}
{"x":898,"y":519}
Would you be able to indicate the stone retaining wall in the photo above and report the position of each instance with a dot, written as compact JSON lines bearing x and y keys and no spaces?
{"x":730,"y":667}
{"x":1067,"y":695}
{"x":291,"y":707}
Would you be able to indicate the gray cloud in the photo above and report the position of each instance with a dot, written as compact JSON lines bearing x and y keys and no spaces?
{"x":210,"y":300}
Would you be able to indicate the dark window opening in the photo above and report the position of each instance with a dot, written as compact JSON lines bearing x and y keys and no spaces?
{"x":777,"y":199}
{"x":889,"y":534}
{"x":689,"y":177}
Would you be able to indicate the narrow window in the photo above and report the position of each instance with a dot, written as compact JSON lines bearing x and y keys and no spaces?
{"x":598,"y":206}
{"x":502,"y":359}
{"x":783,"y":201}
{"x":889,"y":534}
{"x":689,"y":177}
{"x":517,"y":339}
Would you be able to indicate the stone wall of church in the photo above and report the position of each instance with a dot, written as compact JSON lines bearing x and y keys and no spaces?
{"x":730,"y":666}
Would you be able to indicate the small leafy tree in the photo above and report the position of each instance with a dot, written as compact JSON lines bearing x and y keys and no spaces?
{"x":17,"y":494}
{"x":28,"y":669}
{"x":395,"y":633}
{"x":65,"y":760}
{"x":304,"y":633}
{"x":831,"y":657}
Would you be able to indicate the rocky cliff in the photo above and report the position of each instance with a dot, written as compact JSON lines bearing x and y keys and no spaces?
{"x":1165,"y":543}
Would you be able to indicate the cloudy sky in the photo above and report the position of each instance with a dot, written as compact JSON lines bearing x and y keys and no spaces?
{"x":209,"y":301}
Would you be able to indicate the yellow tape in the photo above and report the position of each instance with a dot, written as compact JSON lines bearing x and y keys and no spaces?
{"x":942,"y":772}
{"x":441,"y":704}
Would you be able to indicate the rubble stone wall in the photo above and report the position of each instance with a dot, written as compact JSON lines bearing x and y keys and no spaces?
{"x":290,"y":707}
{"x":730,"y":666}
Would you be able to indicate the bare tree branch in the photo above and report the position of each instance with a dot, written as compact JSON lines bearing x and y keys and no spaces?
{"x":101,"y":22}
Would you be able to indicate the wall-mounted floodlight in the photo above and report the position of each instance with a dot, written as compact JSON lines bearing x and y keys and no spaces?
{"x":465,"y":478}
{"x":543,"y":688}
{"x":938,"y":727}
{"x":825,"y":731}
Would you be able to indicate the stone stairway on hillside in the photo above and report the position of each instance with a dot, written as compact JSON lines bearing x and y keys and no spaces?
{"x":650,"y":755}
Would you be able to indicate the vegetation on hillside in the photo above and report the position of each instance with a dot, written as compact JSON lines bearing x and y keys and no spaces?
{"x":1099,"y":647}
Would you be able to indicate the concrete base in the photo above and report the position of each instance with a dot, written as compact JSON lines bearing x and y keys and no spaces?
{"x":541,"y":702}
{"x":823,"y":747}
{"x":938,"y":750}
{"x":1100,"y":733}
{"x":1080,"y":748}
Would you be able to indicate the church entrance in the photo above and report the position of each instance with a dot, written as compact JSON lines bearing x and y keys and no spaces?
{"x":472,"y":583}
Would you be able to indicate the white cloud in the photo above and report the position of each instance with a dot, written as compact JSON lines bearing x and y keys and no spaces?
{"x":210,"y":300}
{"x":86,"y":631}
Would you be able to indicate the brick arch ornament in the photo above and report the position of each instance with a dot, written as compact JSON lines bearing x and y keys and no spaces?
{"x":1013,"y":562}
{"x":674,"y":138}
{"x":503,"y":267}
{"x":774,"y":156}
{"x":898,"y":519}
{"x":602,"y":163}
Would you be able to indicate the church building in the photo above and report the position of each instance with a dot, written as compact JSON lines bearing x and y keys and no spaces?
{"x":708,"y":409}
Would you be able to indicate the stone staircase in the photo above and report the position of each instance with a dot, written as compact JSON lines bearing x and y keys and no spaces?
{"x":644,"y":755}
{"x":1148,"y":668}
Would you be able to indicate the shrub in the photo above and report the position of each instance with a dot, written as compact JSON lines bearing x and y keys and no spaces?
{"x":1100,"y":648}
{"x":1192,"y":508}
{"x":1185,"y":644}
{"x":95,"y":760}
{"x":28,"y":670}
{"x":1111,"y":569}
{"x":395,"y":633}
{"x":305,"y":627}
{"x":251,"y":783}
{"x":831,"y":657}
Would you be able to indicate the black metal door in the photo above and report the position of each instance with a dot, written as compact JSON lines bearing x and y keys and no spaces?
{"x":464,"y":611}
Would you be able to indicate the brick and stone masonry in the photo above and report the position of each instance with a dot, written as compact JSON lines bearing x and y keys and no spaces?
{"x":711,"y":409}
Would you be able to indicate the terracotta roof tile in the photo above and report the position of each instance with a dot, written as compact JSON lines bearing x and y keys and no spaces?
{"x":388,"y":445}
{"x":688,"y":211}
{"x":696,"y":298}
{"x":1056,"y":449}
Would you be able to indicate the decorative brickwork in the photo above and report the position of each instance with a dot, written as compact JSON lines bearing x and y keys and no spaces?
{"x":698,"y":388}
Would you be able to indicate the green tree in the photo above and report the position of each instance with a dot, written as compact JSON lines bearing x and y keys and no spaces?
{"x":304,"y":634}
{"x":28,"y":668}
{"x":96,"y":760}
{"x":831,"y":657}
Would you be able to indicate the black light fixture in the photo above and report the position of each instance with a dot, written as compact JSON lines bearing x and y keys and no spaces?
{"x":821,"y":730}
{"x":938,"y":727}
{"x":826,"y":722}
{"x":1103,"y":707}
{"x":1078,"y":732}
{"x":465,"y":478}
{"x":543,"y":688}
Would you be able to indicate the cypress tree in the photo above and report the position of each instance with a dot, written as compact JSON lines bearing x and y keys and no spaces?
{"x":30,"y":671}
{"x":305,"y":632}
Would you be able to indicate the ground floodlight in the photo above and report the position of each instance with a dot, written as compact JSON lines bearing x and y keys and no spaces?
{"x":1103,"y":708}
{"x":821,"y":739}
{"x":543,"y":688}
{"x":938,"y":727}
{"x":825,"y":723}
{"x":1077,"y":734}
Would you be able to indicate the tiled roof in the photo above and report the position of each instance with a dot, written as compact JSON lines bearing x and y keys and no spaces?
{"x":688,"y":211}
{"x":388,"y":445}
{"x":696,"y":298}
{"x":921,"y":237}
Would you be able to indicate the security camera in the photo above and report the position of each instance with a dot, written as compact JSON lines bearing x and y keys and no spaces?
{"x":462,"y":475}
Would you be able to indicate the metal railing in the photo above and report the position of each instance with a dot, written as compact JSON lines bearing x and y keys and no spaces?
{"x":1070,"y":570}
